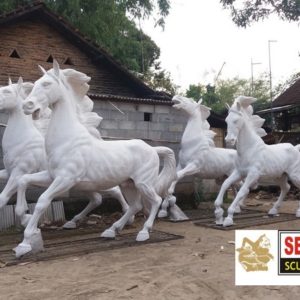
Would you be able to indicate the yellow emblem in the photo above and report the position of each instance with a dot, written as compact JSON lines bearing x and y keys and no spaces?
{"x":254,"y":256}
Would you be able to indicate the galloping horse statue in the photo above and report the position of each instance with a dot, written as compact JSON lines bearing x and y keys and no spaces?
{"x":257,"y":162}
{"x":198,"y":153}
{"x":76,"y":158}
{"x":24,"y":152}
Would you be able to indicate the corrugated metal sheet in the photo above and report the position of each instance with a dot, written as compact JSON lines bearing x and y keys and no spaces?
{"x":55,"y":212}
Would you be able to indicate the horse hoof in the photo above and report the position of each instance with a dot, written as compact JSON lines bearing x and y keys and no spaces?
{"x":220,"y":221}
{"x":142,"y":236}
{"x":162,"y":214}
{"x":273,"y":211}
{"x":298,"y":213}
{"x":22,"y":249}
{"x":228,"y":222}
{"x":108,"y":234}
{"x":25,"y":219}
{"x":70,"y":225}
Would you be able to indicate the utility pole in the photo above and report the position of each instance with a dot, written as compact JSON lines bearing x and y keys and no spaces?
{"x":252,"y":82}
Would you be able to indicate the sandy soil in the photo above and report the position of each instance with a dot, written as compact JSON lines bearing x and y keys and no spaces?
{"x":191,"y":268}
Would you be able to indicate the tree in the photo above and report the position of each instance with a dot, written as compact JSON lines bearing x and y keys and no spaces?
{"x":195,"y":91}
{"x":252,"y":11}
{"x":160,"y":80}
{"x":225,"y":91}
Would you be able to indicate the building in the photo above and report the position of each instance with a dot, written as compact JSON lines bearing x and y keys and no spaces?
{"x":286,"y":113}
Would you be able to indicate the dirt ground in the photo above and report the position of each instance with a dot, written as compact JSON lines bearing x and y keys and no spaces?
{"x":195,"y":267}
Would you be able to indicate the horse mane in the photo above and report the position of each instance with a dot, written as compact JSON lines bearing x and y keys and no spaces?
{"x":243,"y":104}
{"x":84,"y":105}
{"x":208,"y":133}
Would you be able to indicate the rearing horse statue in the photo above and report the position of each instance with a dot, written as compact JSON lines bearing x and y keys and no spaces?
{"x":76,"y":158}
{"x":198,"y":154}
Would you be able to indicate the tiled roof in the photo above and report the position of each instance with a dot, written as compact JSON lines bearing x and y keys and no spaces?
{"x":291,"y":96}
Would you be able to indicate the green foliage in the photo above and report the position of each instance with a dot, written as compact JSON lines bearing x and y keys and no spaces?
{"x":227,"y":90}
{"x":195,"y":91}
{"x":160,"y":80}
{"x":252,"y":11}
{"x":106,"y":23}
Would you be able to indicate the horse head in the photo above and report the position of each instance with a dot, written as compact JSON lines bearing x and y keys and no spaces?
{"x":238,"y":113}
{"x":53,"y":86}
{"x":191,"y":107}
{"x":12,"y":95}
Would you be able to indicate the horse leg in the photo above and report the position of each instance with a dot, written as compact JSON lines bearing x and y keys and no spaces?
{"x":32,"y":235}
{"x":42,"y":179}
{"x":233,"y":178}
{"x":149,"y":194}
{"x":3,"y":174}
{"x":251,"y":179}
{"x":170,"y":200}
{"x":236,"y":188}
{"x":9,"y":189}
{"x":116,"y":193}
{"x":95,"y":201}
{"x":133,"y":197}
{"x":284,"y":189}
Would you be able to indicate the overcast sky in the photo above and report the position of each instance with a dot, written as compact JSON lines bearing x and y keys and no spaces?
{"x":200,"y":36}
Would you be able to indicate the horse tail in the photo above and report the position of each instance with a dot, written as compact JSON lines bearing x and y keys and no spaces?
{"x":168,"y":172}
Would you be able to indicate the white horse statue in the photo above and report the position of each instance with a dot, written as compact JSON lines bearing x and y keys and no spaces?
{"x":24,"y":147}
{"x":76,"y":158}
{"x":198,"y":154}
{"x":22,"y":143}
{"x":257,"y":162}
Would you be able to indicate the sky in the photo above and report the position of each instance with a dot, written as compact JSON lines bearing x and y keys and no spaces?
{"x":200,"y":36}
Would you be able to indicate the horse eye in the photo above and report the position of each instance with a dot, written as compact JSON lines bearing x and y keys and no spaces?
{"x":45,"y":84}
{"x":7,"y":91}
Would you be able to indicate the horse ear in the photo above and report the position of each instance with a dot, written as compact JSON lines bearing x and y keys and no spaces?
{"x":19,"y":84}
{"x":227,"y":106}
{"x":56,"y":68}
{"x":9,"y":81}
{"x":200,"y":100}
{"x":42,"y":69}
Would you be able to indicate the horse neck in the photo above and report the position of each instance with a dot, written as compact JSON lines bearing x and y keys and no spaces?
{"x":18,"y":121}
{"x":193,"y":132}
{"x":248,"y":140}
{"x":64,"y":121}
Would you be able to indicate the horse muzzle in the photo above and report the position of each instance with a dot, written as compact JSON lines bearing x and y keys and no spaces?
{"x":30,"y":107}
{"x":230,"y":141}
